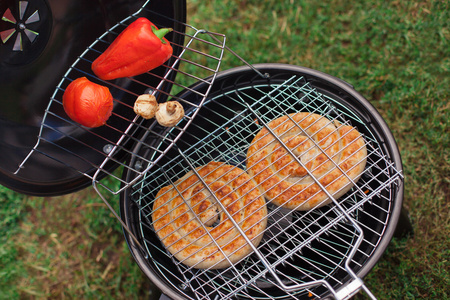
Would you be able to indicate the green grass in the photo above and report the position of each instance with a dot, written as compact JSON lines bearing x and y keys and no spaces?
{"x":65,"y":247}
{"x":11,"y":211}
{"x":395,"y":53}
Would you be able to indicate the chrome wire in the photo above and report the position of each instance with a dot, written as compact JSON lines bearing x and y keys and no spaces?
{"x":200,"y":46}
{"x":318,"y":246}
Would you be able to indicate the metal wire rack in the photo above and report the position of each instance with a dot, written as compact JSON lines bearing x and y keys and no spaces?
{"x":92,"y":152}
{"x":302,"y":254}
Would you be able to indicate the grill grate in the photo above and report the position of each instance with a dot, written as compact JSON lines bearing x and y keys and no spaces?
{"x":92,"y":152}
{"x":302,"y":253}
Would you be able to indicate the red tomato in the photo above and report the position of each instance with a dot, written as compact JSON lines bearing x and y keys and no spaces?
{"x":87,"y":103}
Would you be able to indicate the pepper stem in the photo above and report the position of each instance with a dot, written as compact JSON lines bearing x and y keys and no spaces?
{"x":160,"y":33}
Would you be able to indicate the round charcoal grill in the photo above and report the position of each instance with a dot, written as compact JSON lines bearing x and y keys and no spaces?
{"x":303,"y":254}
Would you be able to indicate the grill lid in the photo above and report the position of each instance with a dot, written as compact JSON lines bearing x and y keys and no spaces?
{"x":40,"y":41}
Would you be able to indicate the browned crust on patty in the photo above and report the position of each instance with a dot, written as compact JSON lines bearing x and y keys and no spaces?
{"x":183,"y":214}
{"x":333,"y":154}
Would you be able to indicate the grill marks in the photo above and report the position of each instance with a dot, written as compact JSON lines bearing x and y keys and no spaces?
{"x":332,"y":154}
{"x":193,"y":226}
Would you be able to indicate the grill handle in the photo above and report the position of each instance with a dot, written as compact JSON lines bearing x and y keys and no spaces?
{"x":351,"y":289}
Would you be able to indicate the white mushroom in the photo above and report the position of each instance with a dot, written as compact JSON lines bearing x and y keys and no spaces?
{"x":169,"y":113}
{"x":146,"y":106}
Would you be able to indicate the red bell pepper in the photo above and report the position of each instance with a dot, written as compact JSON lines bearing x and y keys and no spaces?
{"x":139,"y":48}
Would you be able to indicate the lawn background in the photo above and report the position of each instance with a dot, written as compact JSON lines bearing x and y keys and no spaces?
{"x":395,"y":53}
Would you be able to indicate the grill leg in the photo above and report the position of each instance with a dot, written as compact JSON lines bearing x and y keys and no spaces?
{"x":404,"y":226}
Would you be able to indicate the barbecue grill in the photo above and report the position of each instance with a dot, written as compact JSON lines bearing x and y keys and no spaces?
{"x":319,"y":252}
{"x":302,"y":254}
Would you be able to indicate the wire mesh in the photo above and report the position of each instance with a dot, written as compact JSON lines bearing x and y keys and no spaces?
{"x":299,"y":247}
{"x":91,"y":152}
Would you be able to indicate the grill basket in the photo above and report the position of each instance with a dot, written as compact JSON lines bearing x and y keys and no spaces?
{"x":97,"y":153}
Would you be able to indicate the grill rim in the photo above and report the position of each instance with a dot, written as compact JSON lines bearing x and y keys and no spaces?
{"x":315,"y":78}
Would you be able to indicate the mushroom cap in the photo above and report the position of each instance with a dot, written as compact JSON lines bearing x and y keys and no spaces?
{"x":169,"y":113}
{"x":145,"y":106}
